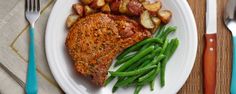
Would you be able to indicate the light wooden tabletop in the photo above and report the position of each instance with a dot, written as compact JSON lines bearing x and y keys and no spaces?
{"x":14,"y":49}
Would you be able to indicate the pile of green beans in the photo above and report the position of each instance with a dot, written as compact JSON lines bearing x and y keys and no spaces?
{"x":141,"y":63}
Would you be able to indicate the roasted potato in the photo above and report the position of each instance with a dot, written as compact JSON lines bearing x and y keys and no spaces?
{"x":157,"y":22}
{"x":165,"y":16}
{"x":152,"y":7}
{"x":146,"y":20}
{"x":106,"y":8}
{"x":96,"y":4}
{"x":86,"y":2}
{"x":135,"y":7}
{"x":109,"y":1}
{"x":115,"y":5}
{"x":141,"y":1}
{"x":88,"y":10}
{"x":71,"y":19}
{"x":78,"y":8}
{"x":123,"y":6}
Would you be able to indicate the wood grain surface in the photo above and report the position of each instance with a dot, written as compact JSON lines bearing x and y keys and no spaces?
{"x":194,"y":83}
{"x":14,"y":50}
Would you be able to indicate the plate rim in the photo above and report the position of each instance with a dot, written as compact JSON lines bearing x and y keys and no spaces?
{"x":180,"y":82}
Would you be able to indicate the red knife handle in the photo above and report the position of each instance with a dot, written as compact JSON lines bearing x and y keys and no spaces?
{"x":209,"y":64}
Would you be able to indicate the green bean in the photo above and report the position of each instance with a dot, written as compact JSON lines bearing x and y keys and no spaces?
{"x":131,"y":79}
{"x":127,"y":81}
{"x":156,"y":60}
{"x":144,"y":63}
{"x":129,"y":69}
{"x":167,"y":32}
{"x":126,"y":58}
{"x":150,"y":56}
{"x":138,"y":89}
{"x":169,"y":52}
{"x":152,"y":77}
{"x":148,"y":78}
{"x":145,"y":46}
{"x":108,"y":80}
{"x":138,"y":45}
{"x":131,"y":73}
{"x":145,"y":59}
{"x":135,"y":66}
{"x":164,"y":46}
{"x":152,"y":84}
{"x":160,"y":30}
{"x":131,"y":61}
{"x":136,"y":58}
{"x":157,"y":49}
{"x":140,"y":79}
{"x":114,"y":88}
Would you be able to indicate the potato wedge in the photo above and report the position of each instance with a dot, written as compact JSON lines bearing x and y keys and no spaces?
{"x":115,"y":5}
{"x":86,"y":2}
{"x":96,"y":4}
{"x":79,"y":9}
{"x":135,"y":7}
{"x":157,"y":22}
{"x":123,"y":6}
{"x":146,"y":20}
{"x":71,"y":19}
{"x":165,"y":16}
{"x":106,"y":8}
{"x":152,"y":7}
{"x":88,"y":10}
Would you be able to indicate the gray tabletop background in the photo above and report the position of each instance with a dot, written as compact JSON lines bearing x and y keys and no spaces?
{"x":14,"y":48}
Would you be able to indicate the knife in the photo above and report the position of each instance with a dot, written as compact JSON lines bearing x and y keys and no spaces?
{"x":210,"y":51}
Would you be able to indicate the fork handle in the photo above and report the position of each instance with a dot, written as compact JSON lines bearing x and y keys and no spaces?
{"x":31,"y":82}
{"x":209,"y":64}
{"x":233,"y":79}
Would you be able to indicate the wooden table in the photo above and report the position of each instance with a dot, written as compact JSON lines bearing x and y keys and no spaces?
{"x":14,"y":49}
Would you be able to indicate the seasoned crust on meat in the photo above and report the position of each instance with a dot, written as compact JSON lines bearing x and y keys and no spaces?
{"x":94,"y":41}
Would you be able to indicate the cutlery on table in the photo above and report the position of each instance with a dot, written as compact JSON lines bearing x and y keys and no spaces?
{"x":32,"y":12}
{"x":230,"y":22}
{"x":210,"y":51}
{"x":12,"y":75}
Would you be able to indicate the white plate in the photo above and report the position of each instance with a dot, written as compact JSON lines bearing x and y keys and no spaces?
{"x":177,"y":71}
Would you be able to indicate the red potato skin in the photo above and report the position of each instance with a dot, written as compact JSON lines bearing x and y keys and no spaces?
{"x":135,"y":7}
{"x":78,"y":8}
{"x":109,"y":1}
{"x":152,"y":13}
{"x":115,"y":6}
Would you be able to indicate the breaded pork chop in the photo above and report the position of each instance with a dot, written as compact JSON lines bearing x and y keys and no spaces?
{"x":94,"y":41}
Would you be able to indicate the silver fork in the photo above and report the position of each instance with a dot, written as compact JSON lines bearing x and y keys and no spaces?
{"x":32,"y":12}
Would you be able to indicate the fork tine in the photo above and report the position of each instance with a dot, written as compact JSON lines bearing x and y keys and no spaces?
{"x":34,"y":5}
{"x":30,"y":5}
{"x":26,"y":5}
{"x":38,"y":5}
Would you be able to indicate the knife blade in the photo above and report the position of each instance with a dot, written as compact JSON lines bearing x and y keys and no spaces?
{"x":210,"y":51}
{"x":211,"y":19}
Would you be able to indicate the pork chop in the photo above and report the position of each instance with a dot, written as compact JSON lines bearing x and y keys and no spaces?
{"x":95,"y":40}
